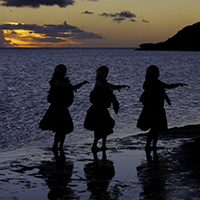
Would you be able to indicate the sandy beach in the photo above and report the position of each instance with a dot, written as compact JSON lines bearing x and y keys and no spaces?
{"x":122,"y":172}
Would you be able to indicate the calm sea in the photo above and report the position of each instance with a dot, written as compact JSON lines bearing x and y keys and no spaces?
{"x":24,"y":84}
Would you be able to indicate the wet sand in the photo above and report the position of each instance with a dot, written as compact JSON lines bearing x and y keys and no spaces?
{"x":173,"y":173}
{"x":123,"y":172}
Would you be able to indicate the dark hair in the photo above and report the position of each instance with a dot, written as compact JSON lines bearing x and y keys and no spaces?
{"x":152,"y":72}
{"x":59,"y":72}
{"x":100,"y":70}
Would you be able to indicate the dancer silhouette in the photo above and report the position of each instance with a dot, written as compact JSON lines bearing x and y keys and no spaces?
{"x":153,"y":115}
{"x":57,"y":118}
{"x":98,"y":118}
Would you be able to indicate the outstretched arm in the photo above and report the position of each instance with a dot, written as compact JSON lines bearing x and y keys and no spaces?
{"x":77,"y":86}
{"x":171,"y":86}
{"x":122,"y":86}
{"x":111,"y":86}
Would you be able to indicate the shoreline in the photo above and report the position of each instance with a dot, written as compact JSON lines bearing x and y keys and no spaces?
{"x":37,"y":173}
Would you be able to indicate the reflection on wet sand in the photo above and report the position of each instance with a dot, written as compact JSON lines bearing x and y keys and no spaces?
{"x":57,"y":174}
{"x":99,"y":174}
{"x":153,"y":174}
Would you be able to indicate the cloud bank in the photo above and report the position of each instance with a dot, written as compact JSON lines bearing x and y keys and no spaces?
{"x":122,"y":16}
{"x":47,"y":33}
{"x":119,"y":17}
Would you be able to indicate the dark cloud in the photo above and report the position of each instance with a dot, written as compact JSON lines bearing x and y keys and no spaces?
{"x":108,"y":15}
{"x":145,"y":21}
{"x":86,"y":35}
{"x":119,"y":17}
{"x":3,"y":42}
{"x":87,"y":12}
{"x":49,"y":40}
{"x":132,"y":20}
{"x":37,"y":3}
{"x":126,"y":14}
{"x":53,"y":31}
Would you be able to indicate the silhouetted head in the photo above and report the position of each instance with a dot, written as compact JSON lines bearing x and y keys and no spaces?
{"x":60,"y":71}
{"x":102,"y":73}
{"x":152,"y":72}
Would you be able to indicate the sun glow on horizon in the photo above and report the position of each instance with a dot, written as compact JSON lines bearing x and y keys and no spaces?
{"x":12,"y":23}
{"x":30,"y":39}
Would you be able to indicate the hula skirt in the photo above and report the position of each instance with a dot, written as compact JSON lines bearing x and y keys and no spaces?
{"x":99,"y":119}
{"x":153,"y":118}
{"x":57,"y":118}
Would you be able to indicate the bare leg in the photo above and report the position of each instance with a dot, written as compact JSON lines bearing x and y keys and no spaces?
{"x":152,"y":136}
{"x":62,"y":140}
{"x":96,"y":138}
{"x":59,"y":138}
{"x":155,"y":140}
{"x":104,"y":157}
{"x":95,"y":142}
{"x":104,"y":142}
{"x":56,"y":141}
{"x":149,"y":140}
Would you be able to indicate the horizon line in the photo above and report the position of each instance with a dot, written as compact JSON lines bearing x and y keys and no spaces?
{"x":68,"y":47}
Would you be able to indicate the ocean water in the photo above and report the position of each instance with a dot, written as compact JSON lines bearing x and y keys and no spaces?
{"x":24,"y":85}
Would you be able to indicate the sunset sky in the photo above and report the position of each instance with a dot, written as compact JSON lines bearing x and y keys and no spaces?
{"x":93,"y":23}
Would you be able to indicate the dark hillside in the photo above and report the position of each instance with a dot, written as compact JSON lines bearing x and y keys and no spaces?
{"x":187,"y":39}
